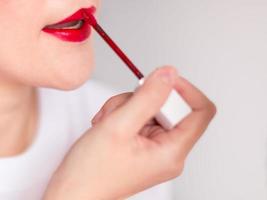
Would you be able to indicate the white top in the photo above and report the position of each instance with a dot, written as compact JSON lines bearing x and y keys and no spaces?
{"x":64,"y":117}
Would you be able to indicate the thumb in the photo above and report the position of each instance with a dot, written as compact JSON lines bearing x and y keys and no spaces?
{"x":146,"y":101}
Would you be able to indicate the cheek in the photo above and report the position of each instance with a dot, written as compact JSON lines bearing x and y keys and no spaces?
{"x":47,"y":63}
{"x":18,"y":34}
{"x":64,"y":65}
{"x":35,"y":58}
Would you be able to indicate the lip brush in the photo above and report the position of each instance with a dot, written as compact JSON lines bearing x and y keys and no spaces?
{"x":174,"y":109}
{"x":92,"y":21}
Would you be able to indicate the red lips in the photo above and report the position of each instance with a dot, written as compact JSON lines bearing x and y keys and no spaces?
{"x":72,"y":29}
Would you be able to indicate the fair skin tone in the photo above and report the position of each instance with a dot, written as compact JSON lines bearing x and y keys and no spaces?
{"x":30,"y":58}
{"x":125,"y":151}
{"x":16,"y":103}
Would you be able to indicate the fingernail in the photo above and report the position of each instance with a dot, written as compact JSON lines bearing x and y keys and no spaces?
{"x":167,"y":77}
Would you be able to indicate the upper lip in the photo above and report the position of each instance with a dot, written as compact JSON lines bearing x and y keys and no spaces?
{"x":70,"y":21}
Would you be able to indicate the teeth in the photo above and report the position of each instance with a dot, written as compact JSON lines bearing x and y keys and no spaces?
{"x":76,"y":25}
{"x":69,"y":25}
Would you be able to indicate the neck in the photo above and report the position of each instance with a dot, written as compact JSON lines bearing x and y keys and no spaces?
{"x":16,"y":117}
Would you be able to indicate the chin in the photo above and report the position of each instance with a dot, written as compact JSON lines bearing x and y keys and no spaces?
{"x":70,"y":78}
{"x":70,"y":84}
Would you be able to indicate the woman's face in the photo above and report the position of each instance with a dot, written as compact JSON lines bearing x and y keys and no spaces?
{"x":32,"y":56}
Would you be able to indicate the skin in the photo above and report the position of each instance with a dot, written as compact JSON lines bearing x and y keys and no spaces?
{"x":30,"y":58}
{"x":123,"y":138}
{"x":138,"y":157}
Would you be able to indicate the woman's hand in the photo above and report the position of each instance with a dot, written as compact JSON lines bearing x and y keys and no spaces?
{"x":126,"y":151}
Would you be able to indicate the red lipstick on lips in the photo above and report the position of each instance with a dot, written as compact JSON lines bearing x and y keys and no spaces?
{"x":72,"y":29}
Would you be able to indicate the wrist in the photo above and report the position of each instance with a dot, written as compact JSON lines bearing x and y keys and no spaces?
{"x":63,"y":187}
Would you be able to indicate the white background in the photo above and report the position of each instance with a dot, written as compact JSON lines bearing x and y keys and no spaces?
{"x":220,"y":46}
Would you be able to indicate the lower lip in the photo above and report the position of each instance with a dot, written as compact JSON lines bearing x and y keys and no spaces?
{"x":73,"y":35}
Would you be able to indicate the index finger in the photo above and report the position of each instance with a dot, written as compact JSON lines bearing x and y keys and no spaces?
{"x":191,"y":128}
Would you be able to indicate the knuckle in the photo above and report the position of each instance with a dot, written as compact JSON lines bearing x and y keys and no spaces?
{"x":212,"y":109}
{"x":119,"y":97}
{"x":116,"y":100}
{"x":106,"y":105}
{"x":209,"y":108}
{"x":111,"y":100}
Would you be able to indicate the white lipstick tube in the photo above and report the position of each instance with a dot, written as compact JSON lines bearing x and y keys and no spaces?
{"x":173,"y":111}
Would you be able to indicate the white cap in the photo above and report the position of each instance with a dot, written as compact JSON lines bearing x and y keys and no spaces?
{"x":173,"y":111}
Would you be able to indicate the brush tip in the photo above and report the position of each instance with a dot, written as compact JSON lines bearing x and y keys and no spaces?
{"x":90,"y":18}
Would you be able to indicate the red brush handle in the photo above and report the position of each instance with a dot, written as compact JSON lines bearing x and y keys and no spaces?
{"x":91,"y":19}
